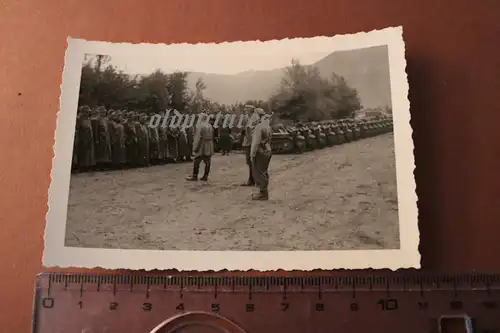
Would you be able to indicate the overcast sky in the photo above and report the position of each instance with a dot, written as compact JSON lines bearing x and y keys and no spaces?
{"x":228,"y":58}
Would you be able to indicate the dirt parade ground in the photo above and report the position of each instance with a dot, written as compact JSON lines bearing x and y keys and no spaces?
{"x":341,"y":197}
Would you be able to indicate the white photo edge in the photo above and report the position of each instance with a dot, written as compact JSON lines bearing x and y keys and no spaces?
{"x":56,"y":254}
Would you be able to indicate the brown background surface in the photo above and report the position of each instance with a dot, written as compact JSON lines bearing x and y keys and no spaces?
{"x":453,"y":55}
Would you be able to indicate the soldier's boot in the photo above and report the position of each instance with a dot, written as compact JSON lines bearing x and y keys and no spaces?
{"x":196,"y":170}
{"x":262,"y":195}
{"x":206,"y":173}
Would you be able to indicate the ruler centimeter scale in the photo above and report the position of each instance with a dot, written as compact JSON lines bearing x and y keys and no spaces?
{"x":91,"y":303}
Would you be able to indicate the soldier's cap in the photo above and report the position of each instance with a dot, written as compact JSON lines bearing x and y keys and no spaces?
{"x":259,"y":111}
{"x":84,"y":108}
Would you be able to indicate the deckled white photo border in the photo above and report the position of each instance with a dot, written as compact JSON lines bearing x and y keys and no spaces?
{"x":408,"y":256}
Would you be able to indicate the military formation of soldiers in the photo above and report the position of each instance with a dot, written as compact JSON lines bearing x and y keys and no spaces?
{"x":112,"y":139}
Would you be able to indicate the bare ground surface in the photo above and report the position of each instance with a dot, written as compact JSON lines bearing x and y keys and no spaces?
{"x":341,"y":197}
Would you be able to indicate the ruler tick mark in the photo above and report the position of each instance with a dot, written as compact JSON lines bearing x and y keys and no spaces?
{"x":147,"y":287}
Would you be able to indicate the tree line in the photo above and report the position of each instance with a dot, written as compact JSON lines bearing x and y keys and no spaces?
{"x":303,"y":94}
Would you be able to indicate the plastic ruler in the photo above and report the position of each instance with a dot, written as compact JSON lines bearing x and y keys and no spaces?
{"x":87,"y":303}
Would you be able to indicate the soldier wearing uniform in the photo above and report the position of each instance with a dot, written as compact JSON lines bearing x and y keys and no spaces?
{"x":102,"y":141}
{"x":247,"y":141}
{"x":225,"y":141}
{"x":261,"y":153}
{"x":203,"y":147}
{"x":86,"y":153}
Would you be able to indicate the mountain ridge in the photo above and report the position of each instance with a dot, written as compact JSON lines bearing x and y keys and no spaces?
{"x":366,"y":70}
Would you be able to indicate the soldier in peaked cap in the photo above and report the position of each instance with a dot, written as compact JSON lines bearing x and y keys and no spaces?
{"x":251,"y":120}
{"x":203,"y":147}
{"x":261,"y":153}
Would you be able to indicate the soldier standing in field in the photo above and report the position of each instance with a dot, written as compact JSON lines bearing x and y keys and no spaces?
{"x":225,"y":140}
{"x":155,"y":153}
{"x":86,"y":154}
{"x":261,"y":153}
{"x":131,"y":139}
{"x":117,"y":138}
{"x":182,"y":144}
{"x":102,"y":140}
{"x":203,"y":147}
{"x":247,"y":141}
{"x":190,"y":136}
{"x":140,"y":122}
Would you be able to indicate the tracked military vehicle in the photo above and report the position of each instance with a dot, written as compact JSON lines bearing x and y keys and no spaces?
{"x":287,"y":140}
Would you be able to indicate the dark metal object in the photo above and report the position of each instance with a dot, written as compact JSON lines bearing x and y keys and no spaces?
{"x":84,"y":303}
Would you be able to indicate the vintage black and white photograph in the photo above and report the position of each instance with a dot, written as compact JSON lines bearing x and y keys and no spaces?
{"x":282,"y":154}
